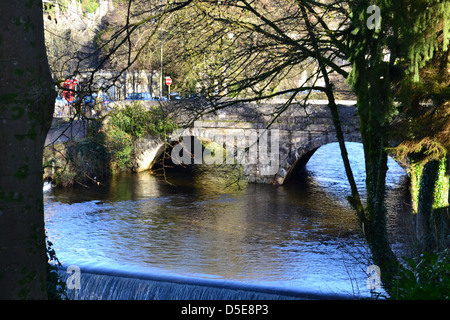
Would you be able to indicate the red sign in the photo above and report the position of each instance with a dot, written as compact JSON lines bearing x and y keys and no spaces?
{"x":168,"y":81}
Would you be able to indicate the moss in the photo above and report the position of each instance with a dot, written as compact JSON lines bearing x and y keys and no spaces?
{"x":11,"y":196}
{"x":415,"y":173}
{"x":19,"y":72}
{"x":432,"y":183}
{"x":19,"y":137}
{"x":31,"y":134}
{"x":18,"y":113}
{"x":441,"y":187}
{"x":24,"y":21}
{"x":21,"y":173}
{"x":27,"y":277}
{"x":29,"y":3}
{"x":8,"y":98}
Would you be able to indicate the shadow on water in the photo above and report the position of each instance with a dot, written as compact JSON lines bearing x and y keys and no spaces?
{"x":194,"y":223}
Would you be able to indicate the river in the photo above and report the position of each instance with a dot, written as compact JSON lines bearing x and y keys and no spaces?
{"x":194,"y":222}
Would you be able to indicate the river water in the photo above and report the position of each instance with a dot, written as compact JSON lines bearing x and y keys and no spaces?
{"x":194,"y":222}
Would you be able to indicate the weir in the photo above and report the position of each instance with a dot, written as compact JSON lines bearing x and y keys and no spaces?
{"x":115,"y":284}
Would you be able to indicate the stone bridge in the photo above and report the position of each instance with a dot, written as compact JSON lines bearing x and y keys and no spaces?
{"x":266,"y":155}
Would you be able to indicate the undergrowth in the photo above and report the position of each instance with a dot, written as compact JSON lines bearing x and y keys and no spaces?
{"x":108,"y":147}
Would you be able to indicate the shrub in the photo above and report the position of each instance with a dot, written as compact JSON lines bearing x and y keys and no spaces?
{"x":78,"y":160}
{"x":105,"y":149}
{"x":132,"y":119}
{"x":136,"y":121}
{"x":425,"y":278}
{"x":89,"y":5}
{"x":56,"y":287}
{"x":120,"y":145}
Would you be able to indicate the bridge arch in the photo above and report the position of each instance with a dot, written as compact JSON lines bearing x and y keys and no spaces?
{"x":187,"y":149}
{"x":298,"y":156}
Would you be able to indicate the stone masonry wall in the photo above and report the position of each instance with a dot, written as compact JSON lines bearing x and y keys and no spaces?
{"x":299,"y":130}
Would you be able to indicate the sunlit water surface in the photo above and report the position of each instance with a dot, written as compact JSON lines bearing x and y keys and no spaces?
{"x":301,"y":235}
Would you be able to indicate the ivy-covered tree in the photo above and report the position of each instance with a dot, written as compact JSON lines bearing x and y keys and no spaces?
{"x":424,"y":120}
{"x":385,"y":57}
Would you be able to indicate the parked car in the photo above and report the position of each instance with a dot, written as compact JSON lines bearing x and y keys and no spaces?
{"x":139,"y":96}
{"x":132,"y":96}
{"x":61,"y":107}
{"x":175,"y":96}
{"x":90,"y":99}
{"x":106,"y":100}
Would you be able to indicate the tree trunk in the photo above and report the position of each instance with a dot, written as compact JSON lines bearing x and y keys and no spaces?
{"x":375,"y":228}
{"x":354,"y":199}
{"x":373,"y":99}
{"x":432,"y":205}
{"x":26,"y":106}
{"x":370,"y":78}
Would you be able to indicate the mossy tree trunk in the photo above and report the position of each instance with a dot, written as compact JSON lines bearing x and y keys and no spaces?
{"x":430,"y":198}
{"x":26,"y":106}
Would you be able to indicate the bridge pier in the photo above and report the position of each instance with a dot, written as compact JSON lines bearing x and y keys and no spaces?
{"x":148,"y":150}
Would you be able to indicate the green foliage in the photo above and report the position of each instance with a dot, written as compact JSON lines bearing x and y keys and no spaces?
{"x":127,"y":124}
{"x":120,"y":145}
{"x":427,"y":278}
{"x":89,"y":6}
{"x":132,"y":120}
{"x":79,"y":160}
{"x":415,"y":173}
{"x":137,"y":121}
{"x":441,"y":187}
{"x":107,"y":148}
{"x":49,"y":8}
{"x":89,"y":157}
{"x":63,"y":5}
{"x":421,"y":40}
{"x":56,"y":166}
{"x":56,"y":287}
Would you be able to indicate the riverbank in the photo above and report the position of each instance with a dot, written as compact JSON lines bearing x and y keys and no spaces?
{"x":106,"y":146}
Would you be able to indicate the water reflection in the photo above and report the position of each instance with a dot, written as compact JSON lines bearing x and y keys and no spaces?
{"x":193,"y":222}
